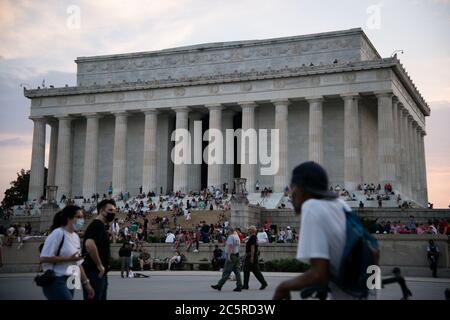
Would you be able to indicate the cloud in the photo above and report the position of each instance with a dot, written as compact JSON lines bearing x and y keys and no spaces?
{"x":13,"y":142}
{"x":37,"y":43}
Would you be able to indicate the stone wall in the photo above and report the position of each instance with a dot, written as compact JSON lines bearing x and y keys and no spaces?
{"x":226,"y":57}
{"x":287,"y":217}
{"x":405,"y":251}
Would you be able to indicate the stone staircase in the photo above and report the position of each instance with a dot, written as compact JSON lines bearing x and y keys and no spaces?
{"x":270,"y":202}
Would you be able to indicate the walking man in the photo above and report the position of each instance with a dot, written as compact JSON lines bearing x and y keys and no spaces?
{"x":232,"y":261}
{"x":322,"y":231}
{"x":96,"y":246}
{"x":251,"y":260}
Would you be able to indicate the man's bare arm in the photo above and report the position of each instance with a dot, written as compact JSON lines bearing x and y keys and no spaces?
{"x":91,"y":248}
{"x":317,"y":275}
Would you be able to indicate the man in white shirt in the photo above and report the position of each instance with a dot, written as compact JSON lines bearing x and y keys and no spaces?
{"x":262,"y":237}
{"x":322,"y":231}
{"x":289,"y":234}
{"x":170,"y":237}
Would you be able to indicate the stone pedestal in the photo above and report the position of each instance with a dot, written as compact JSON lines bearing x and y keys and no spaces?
{"x":48,"y":212}
{"x":243,"y":215}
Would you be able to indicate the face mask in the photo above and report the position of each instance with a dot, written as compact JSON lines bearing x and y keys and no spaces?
{"x":110,"y":216}
{"x":78,"y":224}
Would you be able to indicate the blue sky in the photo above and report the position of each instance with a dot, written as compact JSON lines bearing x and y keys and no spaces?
{"x":38,"y":42}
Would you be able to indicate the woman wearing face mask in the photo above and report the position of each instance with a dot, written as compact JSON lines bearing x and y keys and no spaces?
{"x":62,"y":251}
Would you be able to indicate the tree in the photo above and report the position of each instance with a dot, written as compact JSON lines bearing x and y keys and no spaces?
{"x":17,"y":194}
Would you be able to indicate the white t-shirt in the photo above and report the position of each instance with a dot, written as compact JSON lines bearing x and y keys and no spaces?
{"x":323,"y":235}
{"x":70,"y":246}
{"x":170,"y":238}
{"x":289,"y":235}
{"x":262,"y":237}
{"x":115,"y":228}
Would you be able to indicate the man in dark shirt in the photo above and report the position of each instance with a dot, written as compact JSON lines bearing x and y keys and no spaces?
{"x":97,"y":249}
{"x":217,"y":260}
{"x":125,"y":258}
{"x":251,"y":260}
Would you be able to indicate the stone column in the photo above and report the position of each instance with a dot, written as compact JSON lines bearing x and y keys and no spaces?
{"x":36,"y":186}
{"x":90,"y":156}
{"x":316,"y":129}
{"x":63,"y":178}
{"x":215,"y":169}
{"x":248,"y":170}
{"x":403,"y":120}
{"x":228,"y":169}
{"x":352,"y":152}
{"x":195,"y":170}
{"x":149,"y":163}
{"x":52,"y":153}
{"x":386,"y":156}
{"x":415,"y":159}
{"x":119,"y":180}
{"x":423,"y":168}
{"x":180,"y":176}
{"x":419,"y":165}
{"x":281,"y":179}
{"x":412,"y":154}
{"x":395,"y":115}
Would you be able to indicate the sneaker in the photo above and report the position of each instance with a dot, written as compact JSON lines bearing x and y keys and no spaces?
{"x":263,"y":287}
{"x":195,"y":250}
{"x":216,"y":287}
{"x":237,"y":290}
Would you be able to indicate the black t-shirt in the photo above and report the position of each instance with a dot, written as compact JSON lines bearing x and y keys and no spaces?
{"x":251,"y":241}
{"x":218,"y":253}
{"x":97,"y":231}
{"x":125,"y":252}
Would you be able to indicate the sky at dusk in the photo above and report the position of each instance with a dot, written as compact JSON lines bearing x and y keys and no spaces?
{"x":41,"y":39}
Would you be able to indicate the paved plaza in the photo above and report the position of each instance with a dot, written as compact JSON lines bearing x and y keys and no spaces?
{"x":185,"y":285}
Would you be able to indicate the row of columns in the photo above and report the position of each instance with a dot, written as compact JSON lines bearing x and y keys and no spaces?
{"x":400,"y":149}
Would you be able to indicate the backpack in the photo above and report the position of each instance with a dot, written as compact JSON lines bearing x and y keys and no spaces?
{"x":360,"y":251}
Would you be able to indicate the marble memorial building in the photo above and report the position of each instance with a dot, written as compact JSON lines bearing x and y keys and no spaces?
{"x":334,"y":99}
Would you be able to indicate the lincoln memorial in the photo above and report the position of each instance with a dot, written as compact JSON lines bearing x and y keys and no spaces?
{"x":332,"y":97}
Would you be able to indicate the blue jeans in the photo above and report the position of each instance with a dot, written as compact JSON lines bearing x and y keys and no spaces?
{"x":100,"y":285}
{"x":58,"y":290}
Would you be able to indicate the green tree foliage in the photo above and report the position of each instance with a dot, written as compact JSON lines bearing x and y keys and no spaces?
{"x":17,"y":194}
